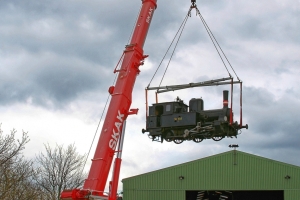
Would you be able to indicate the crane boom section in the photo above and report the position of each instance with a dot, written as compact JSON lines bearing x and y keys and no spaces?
{"x":120,"y":103}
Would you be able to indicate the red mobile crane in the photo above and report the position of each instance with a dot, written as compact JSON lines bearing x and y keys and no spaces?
{"x":117,"y":113}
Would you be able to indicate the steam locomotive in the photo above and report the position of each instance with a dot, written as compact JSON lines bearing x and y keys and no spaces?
{"x":177,"y":122}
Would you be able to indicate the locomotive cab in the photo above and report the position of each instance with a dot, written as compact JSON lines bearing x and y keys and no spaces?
{"x":159,"y":111}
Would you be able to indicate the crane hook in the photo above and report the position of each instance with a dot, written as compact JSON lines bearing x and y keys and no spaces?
{"x":193,"y":3}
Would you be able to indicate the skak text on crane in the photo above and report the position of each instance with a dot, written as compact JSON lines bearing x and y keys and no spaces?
{"x":149,"y":15}
{"x":116,"y":131}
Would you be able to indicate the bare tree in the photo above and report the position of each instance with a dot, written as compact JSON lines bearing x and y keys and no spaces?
{"x":60,"y":169}
{"x":17,"y":180}
{"x":16,"y":173}
{"x":10,"y":147}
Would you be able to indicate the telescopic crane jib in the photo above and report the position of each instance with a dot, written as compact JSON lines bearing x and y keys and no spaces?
{"x":118,"y":110}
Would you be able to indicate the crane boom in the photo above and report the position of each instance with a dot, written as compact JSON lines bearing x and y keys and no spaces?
{"x":118,"y":110}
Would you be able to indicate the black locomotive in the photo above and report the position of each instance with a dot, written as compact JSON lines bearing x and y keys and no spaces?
{"x":175,"y":121}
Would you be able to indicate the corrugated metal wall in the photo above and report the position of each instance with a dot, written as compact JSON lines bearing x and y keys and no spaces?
{"x":233,"y":170}
{"x":155,"y":194}
{"x":292,"y":194}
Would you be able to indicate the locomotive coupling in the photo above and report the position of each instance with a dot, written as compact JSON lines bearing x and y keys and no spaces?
{"x":245,"y":126}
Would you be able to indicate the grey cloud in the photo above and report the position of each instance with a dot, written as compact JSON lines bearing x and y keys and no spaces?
{"x":56,"y":32}
{"x":49,"y":78}
{"x":58,"y":51}
{"x":273,"y":123}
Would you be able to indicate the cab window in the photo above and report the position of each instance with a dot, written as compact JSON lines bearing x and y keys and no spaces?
{"x":168,"y":108}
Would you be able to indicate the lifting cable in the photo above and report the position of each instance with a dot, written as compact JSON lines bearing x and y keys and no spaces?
{"x":95,"y":133}
{"x":108,"y":98}
{"x":214,"y":40}
{"x":183,"y":26}
{"x":180,"y":30}
{"x":105,"y":106}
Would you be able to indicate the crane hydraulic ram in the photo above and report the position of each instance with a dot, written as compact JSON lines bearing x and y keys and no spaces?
{"x":118,"y":110}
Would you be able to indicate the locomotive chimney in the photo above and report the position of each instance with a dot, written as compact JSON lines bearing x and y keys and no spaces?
{"x":225,"y":98}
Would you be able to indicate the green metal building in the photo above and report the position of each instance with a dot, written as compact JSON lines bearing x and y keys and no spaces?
{"x":233,"y":175}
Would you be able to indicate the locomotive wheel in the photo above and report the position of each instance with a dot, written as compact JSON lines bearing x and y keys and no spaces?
{"x":168,"y":134}
{"x":197,"y":140}
{"x":217,"y":138}
{"x":178,"y":141}
{"x":168,"y":139}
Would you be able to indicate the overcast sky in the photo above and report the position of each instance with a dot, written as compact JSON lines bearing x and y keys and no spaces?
{"x":57,"y":60}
